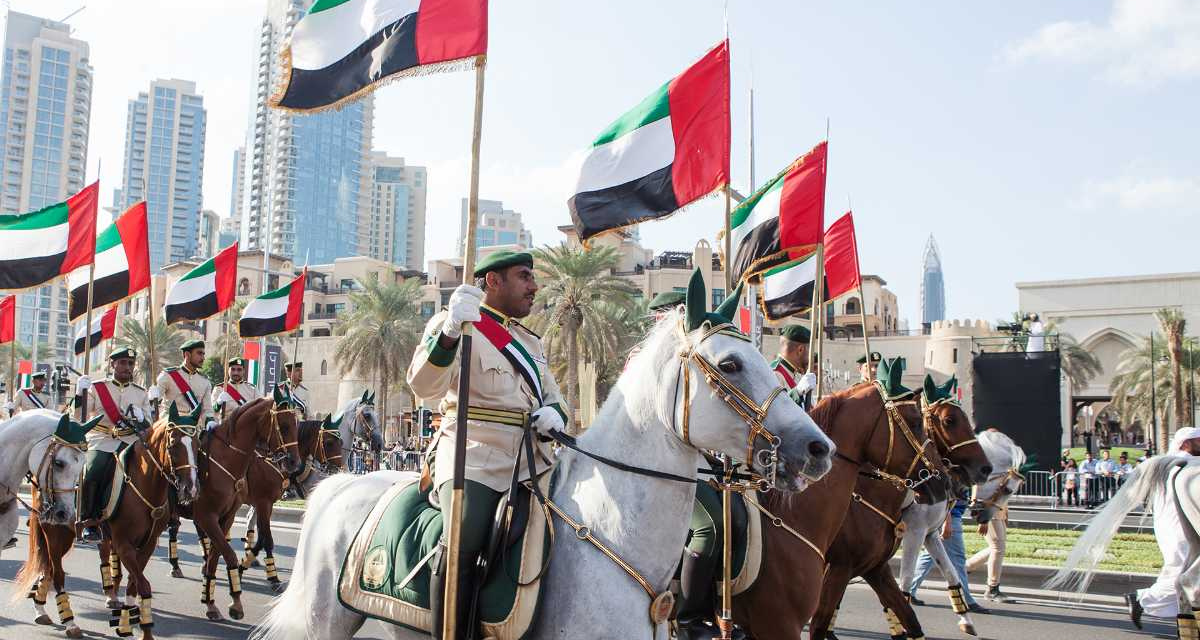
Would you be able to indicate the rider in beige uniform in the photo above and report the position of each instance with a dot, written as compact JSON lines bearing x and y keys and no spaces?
{"x":867,"y":371}
{"x":131,"y":406}
{"x":502,"y":399}
{"x":166,"y":389}
{"x":294,"y":390}
{"x":235,"y":392}
{"x":33,"y":397}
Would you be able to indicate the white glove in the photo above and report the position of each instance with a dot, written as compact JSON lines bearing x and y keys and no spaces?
{"x":82,"y":384}
{"x":154,"y":393}
{"x":9,"y":407}
{"x":138,"y":414}
{"x":547,"y":419}
{"x":210,"y":425}
{"x":224,"y":398}
{"x":807,"y":382}
{"x":464,"y":307}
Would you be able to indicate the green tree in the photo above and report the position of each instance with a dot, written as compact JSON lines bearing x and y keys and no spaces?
{"x":135,"y":334}
{"x":1174,"y":327}
{"x":577,"y":287}
{"x":631,"y":324}
{"x":1131,"y":389}
{"x":213,"y":369}
{"x":379,"y":333}
{"x":1078,"y":364}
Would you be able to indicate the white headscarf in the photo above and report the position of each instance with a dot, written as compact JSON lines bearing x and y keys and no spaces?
{"x":1183,"y":435}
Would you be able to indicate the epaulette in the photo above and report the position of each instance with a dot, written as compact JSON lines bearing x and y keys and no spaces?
{"x":527,"y":329}
{"x":137,"y":386}
{"x":171,"y":369}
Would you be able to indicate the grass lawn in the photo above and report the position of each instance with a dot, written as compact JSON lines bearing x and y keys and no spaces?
{"x":295,"y":504}
{"x":1129,"y":552}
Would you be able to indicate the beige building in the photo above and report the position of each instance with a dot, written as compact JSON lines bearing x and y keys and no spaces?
{"x":395,"y":230}
{"x":845,"y":314}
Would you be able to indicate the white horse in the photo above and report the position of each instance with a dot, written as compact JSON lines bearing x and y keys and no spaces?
{"x":924,"y":522}
{"x":27,"y":446}
{"x":1148,"y":484}
{"x":643,"y":519}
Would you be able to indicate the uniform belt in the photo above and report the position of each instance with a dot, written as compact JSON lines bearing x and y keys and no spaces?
{"x":114,"y":432}
{"x":499,"y":416}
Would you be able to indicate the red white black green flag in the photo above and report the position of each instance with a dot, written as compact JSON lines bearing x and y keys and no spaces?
{"x":204,"y":291}
{"x":278,"y":311}
{"x":122,"y":264}
{"x":40,"y":246}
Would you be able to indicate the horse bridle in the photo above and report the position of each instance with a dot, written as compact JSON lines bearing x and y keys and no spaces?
{"x":321,"y":454}
{"x":935,"y":426}
{"x":46,"y":465}
{"x":239,"y":483}
{"x":752,"y":413}
{"x":994,"y":500}
{"x":896,"y":422}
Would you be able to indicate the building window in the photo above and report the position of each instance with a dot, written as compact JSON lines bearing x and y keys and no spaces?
{"x":243,"y":287}
{"x":852,"y":306}
{"x":427,"y":310}
{"x":324,"y":368}
{"x":954,"y":356}
{"x":718,"y":296}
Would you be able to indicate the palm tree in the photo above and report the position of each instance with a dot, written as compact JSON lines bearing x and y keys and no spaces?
{"x":576,"y":286}
{"x":380,"y":332}
{"x":630,"y":324}
{"x":1131,"y":389}
{"x":1174,"y":326}
{"x":135,"y":335}
{"x":1078,"y":364}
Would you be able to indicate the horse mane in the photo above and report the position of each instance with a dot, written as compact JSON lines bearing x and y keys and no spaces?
{"x":306,"y":430}
{"x":230,"y":421}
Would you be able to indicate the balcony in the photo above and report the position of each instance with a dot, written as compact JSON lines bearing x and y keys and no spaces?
{"x":322,"y":315}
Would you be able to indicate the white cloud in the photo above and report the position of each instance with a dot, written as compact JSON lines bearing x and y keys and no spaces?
{"x":1142,"y":42}
{"x":1140,"y":193}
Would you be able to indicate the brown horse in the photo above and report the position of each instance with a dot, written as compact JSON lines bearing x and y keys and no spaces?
{"x":800,"y":527}
{"x":225,"y":458}
{"x":265,"y":483}
{"x":48,"y":545}
{"x":872,"y":530}
{"x":165,"y":459}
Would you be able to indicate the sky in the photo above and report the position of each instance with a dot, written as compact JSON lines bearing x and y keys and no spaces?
{"x":1035,"y":141}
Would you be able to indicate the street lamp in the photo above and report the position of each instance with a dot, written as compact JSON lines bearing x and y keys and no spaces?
{"x":1154,"y":398}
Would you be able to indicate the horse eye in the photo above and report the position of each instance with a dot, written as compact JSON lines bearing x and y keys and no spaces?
{"x":58,"y":464}
{"x":730,"y":365}
{"x":1007,"y":491}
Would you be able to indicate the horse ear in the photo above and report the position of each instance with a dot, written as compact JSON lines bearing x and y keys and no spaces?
{"x":279,"y":397}
{"x":371,"y":400}
{"x":91,"y":424}
{"x":173,"y":414}
{"x":694,"y":300}
{"x":931,"y":390}
{"x":729,"y":307}
{"x":325,"y":422}
{"x":365,"y":396}
{"x":947,"y":390}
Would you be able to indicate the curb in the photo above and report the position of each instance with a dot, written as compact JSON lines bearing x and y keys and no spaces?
{"x":1105,"y":585}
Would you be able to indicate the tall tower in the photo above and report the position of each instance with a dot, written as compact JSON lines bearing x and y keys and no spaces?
{"x":164,"y":165}
{"x":237,"y":192}
{"x":933,"y":286}
{"x":307,"y":176}
{"x":396,"y":229}
{"x":45,"y":109}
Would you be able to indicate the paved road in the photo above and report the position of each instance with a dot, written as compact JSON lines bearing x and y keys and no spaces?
{"x":179,"y":615}
{"x":1034,"y":517}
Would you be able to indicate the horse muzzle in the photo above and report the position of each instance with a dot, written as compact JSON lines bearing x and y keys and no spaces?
{"x":802,"y":461}
{"x":58,"y":513}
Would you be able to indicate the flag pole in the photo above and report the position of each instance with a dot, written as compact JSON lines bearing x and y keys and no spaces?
{"x":752,"y":289}
{"x":12,"y":361}
{"x":87,"y":327}
{"x":818,"y":318}
{"x":153,"y":355}
{"x":454,"y":536}
{"x":862,"y":307}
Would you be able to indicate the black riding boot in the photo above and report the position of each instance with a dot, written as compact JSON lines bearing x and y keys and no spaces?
{"x":437,"y":597}
{"x":695,"y":597}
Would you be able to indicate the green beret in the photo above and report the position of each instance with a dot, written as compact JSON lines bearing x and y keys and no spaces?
{"x":192,"y":344}
{"x":293,"y":365}
{"x":502,"y":260}
{"x":240,"y":362}
{"x":123,"y":353}
{"x":796,"y":333}
{"x":666,"y":300}
{"x":39,"y":374}
{"x":875,"y":358}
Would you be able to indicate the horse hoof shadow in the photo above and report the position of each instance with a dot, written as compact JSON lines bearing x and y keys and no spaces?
{"x":968,"y":629}
{"x":42,"y":619}
{"x":236,"y":614}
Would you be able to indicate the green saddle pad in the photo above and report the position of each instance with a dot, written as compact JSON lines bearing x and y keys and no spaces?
{"x":112,"y":484}
{"x":746,"y":555}
{"x":388,"y":567}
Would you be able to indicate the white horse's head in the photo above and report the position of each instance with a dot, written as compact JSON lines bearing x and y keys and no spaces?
{"x":714,"y":389}
{"x":1006,"y":478}
{"x":55,"y":461}
{"x":358,"y":418}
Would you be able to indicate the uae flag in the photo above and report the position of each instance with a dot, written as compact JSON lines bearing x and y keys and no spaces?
{"x":8,"y":319}
{"x":667,"y":152}
{"x":204,"y":291}
{"x":102,"y":328}
{"x":24,"y":374}
{"x":783,"y":219}
{"x":278,"y":311}
{"x":842,"y":273}
{"x":251,"y":351}
{"x":122,"y":264}
{"x":342,"y":49}
{"x":41,"y":246}
{"x":787,"y":289}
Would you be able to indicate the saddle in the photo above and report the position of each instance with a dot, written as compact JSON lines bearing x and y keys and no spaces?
{"x":387,"y":569}
{"x":112,"y":483}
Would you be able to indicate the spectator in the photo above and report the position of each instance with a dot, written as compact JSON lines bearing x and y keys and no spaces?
{"x":1106,"y":468}
{"x":1087,"y":473}
{"x":952,"y":538}
{"x":1123,"y":468}
{"x":1070,"y":480}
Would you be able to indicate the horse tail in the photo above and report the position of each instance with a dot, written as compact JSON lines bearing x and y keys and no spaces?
{"x":1144,"y":485}
{"x":37,"y":563}
{"x":284,"y":620}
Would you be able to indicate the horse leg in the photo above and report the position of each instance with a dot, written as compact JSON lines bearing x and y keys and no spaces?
{"x":820,"y":627}
{"x":251,"y":559}
{"x":206,"y":522}
{"x":38,"y":546}
{"x":233,"y":569}
{"x":902,"y":620}
{"x":268,"y":543}
{"x":173,"y":545}
{"x":145,"y":592}
{"x":107,"y":574}
{"x":126,"y":614}
{"x":61,"y":539}
{"x":954,"y":586}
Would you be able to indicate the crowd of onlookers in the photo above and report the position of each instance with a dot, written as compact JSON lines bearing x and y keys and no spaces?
{"x":1091,"y":481}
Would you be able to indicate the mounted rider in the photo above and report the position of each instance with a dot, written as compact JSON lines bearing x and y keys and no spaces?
{"x":32,"y":397}
{"x":791,"y":367}
{"x":293,"y":390}
{"x":124,"y":410}
{"x":868,"y":371}
{"x":184,"y":386}
{"x":235,"y":391}
{"x":511,"y":386}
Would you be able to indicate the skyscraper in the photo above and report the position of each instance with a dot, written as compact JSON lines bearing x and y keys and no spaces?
{"x":496,"y":225}
{"x":307,"y":176}
{"x":933,"y":288}
{"x":396,"y":229}
{"x":164,"y":165}
{"x":238,"y":191}
{"x":45,"y":108}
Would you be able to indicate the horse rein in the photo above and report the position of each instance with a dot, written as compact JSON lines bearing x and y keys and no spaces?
{"x":752,"y":413}
{"x":172,"y":478}
{"x":896,"y":422}
{"x":940,"y":434}
{"x":240,"y":483}
{"x":45,"y":466}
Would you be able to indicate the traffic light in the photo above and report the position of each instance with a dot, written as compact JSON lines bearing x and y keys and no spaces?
{"x":426,"y":423}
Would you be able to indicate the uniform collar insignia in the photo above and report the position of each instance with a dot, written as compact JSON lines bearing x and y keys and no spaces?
{"x":496,"y":315}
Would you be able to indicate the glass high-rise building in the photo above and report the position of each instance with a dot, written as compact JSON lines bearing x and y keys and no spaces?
{"x":45,"y":109}
{"x":396,"y":232}
{"x":307,"y":177}
{"x":164,"y":165}
{"x":933,"y":286}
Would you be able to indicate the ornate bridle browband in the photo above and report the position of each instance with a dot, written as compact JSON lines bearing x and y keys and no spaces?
{"x":896,"y":422}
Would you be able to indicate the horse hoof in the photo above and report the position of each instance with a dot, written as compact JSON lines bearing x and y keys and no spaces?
{"x":968,"y":629}
{"x":277,"y":586}
{"x":74,"y":632}
{"x":43,"y":619}
{"x":213,"y":615}
{"x":236,"y":614}
{"x":112,"y":603}
{"x":176,"y":572}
